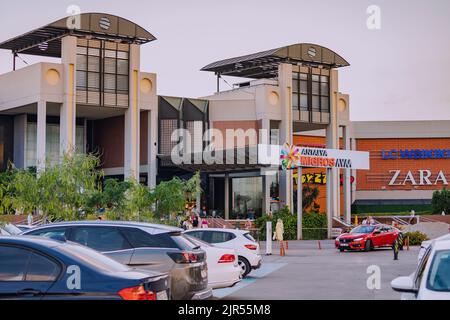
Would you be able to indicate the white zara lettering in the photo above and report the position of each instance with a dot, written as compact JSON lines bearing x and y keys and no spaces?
{"x":426,"y":178}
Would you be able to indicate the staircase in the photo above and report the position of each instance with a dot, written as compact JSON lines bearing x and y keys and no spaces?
{"x":219,"y":223}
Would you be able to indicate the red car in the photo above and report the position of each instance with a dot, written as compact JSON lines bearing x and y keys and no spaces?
{"x":367,"y":237}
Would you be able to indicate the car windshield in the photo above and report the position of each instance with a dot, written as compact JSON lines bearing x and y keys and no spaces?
{"x":439,"y":275}
{"x":92,"y":258}
{"x":363,"y":229}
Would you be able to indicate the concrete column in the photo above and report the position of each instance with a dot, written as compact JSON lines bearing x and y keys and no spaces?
{"x":227,"y":197}
{"x":285,"y":85}
{"x":347,"y":182}
{"x":41,"y":135}
{"x":68,"y":108}
{"x":152,"y":148}
{"x":299,"y":204}
{"x":132,"y":119}
{"x":332,"y":141}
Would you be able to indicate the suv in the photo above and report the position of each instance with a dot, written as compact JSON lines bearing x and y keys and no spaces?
{"x":144,"y":246}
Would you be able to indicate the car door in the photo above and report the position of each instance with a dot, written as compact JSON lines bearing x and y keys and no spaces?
{"x":221,"y":239}
{"x":25,"y":274}
{"x":107,"y":240}
{"x":377,"y":237}
{"x":150,"y":250}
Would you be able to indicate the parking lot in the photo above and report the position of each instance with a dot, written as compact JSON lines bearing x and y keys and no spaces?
{"x":309,"y":273}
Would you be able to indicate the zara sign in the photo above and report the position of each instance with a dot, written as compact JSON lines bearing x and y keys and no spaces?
{"x":422,"y":178}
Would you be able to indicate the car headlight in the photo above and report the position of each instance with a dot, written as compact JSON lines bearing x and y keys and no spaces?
{"x":358,"y":239}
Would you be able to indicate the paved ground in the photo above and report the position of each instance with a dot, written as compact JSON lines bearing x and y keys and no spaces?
{"x":308,"y":273}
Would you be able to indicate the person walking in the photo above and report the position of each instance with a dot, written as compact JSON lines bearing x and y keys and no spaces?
{"x":205,"y":224}
{"x":279,"y":236}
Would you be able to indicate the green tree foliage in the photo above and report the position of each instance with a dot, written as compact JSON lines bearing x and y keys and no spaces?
{"x":7,"y":191}
{"x":169,"y":197}
{"x":441,"y":201}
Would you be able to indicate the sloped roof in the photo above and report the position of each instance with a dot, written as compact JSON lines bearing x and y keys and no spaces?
{"x":46,"y":41}
{"x":265,"y":64}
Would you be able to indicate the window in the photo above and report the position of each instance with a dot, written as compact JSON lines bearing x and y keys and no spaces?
{"x":310,"y":92}
{"x":168,"y":126}
{"x":140,"y":239}
{"x":421,"y":268}
{"x":102,"y":239}
{"x":41,"y":269}
{"x":13,"y":263}
{"x":51,"y":233}
{"x":439,"y":274}
{"x":219,"y":236}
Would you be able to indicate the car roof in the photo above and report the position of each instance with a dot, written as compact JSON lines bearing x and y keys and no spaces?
{"x":221,"y":229}
{"x":160,"y":227}
{"x":30,"y":241}
{"x":442,"y":245}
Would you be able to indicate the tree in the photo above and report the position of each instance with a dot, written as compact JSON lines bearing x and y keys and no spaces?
{"x":169,"y":197}
{"x":138,"y":202}
{"x":193,"y":188}
{"x":7,"y":191}
{"x":441,"y":201}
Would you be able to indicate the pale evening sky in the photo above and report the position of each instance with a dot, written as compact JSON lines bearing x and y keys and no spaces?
{"x":401,"y":72}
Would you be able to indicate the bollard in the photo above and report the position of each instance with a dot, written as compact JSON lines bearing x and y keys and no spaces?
{"x":396,"y":248}
{"x":407,"y":243}
{"x":318,"y":243}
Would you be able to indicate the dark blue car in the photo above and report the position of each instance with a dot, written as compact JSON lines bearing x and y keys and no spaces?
{"x":40,"y":268}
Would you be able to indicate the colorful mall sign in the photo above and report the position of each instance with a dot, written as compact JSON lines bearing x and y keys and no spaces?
{"x":415,"y":154}
{"x":318,"y":178}
{"x":292,"y":157}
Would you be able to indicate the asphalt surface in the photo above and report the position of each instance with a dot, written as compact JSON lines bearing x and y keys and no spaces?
{"x":327,"y":274}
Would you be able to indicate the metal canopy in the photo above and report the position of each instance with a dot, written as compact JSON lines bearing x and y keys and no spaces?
{"x":265,"y":64}
{"x":46,"y":41}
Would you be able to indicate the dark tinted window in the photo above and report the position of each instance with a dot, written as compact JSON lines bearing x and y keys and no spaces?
{"x":41,"y":269}
{"x":196,"y":234}
{"x":219,"y":236}
{"x":13,"y":263}
{"x":102,"y":239}
{"x":141,"y":239}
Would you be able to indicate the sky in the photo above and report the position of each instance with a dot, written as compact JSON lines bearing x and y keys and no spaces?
{"x":399,"y":71}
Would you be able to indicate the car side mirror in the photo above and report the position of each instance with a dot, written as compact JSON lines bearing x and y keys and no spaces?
{"x":403,"y":284}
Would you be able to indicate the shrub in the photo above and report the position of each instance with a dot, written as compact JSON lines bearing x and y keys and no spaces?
{"x":314,"y":225}
{"x":441,"y":201}
{"x":416,"y":238}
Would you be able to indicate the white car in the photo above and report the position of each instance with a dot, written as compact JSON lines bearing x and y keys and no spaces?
{"x":223,"y":267}
{"x":431,"y":281}
{"x":241,"y":241}
{"x":424,"y":246}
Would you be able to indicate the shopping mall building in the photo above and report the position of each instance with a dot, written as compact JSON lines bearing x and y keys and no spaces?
{"x":97,"y":99}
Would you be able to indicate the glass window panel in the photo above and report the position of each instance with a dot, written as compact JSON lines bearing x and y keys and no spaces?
{"x":94,"y":64}
{"x":315,"y":102}
{"x":110,"y":65}
{"x":303,"y":76}
{"x":295,"y":101}
{"x":52,"y":143}
{"x":82,"y":50}
{"x":13,"y":263}
{"x":304,"y":86}
{"x":79,"y":139}
{"x":304,"y":100}
{"x":315,"y":88}
{"x":247,"y":197}
{"x":31,"y":145}
{"x":110,"y":82}
{"x":325,"y":103}
{"x":122,"y":83}
{"x":315,"y":77}
{"x":81,"y":79}
{"x":324,"y":89}
{"x":122,"y":55}
{"x":94,"y":80}
{"x":94,"y":52}
{"x":295,"y":75}
{"x":41,"y":269}
{"x":81,"y":62}
{"x":324,"y":79}
{"x":122,"y":67}
{"x":295,"y":85}
{"x":110,"y":54}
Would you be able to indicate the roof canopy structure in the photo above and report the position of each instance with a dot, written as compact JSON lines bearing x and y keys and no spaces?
{"x":46,"y":41}
{"x":265,"y":64}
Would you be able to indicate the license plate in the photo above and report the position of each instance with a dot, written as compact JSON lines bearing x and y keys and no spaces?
{"x":162,"y":295}
{"x":344,"y":244}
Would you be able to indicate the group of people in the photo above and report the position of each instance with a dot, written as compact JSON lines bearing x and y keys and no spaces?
{"x":192,"y":220}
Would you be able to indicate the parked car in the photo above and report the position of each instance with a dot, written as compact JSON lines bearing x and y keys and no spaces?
{"x":11,"y":229}
{"x":24,"y":227}
{"x":425,"y":244}
{"x":223,"y":267}
{"x":147,"y":246}
{"x":368,"y":237}
{"x":241,"y":241}
{"x":36,"y":268}
{"x":431,"y":281}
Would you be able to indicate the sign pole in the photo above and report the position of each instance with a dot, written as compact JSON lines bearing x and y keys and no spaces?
{"x":299,"y":203}
{"x":268,"y":238}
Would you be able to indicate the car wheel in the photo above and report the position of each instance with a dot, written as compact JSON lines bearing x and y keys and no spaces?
{"x":368,"y":246}
{"x":245,"y":266}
